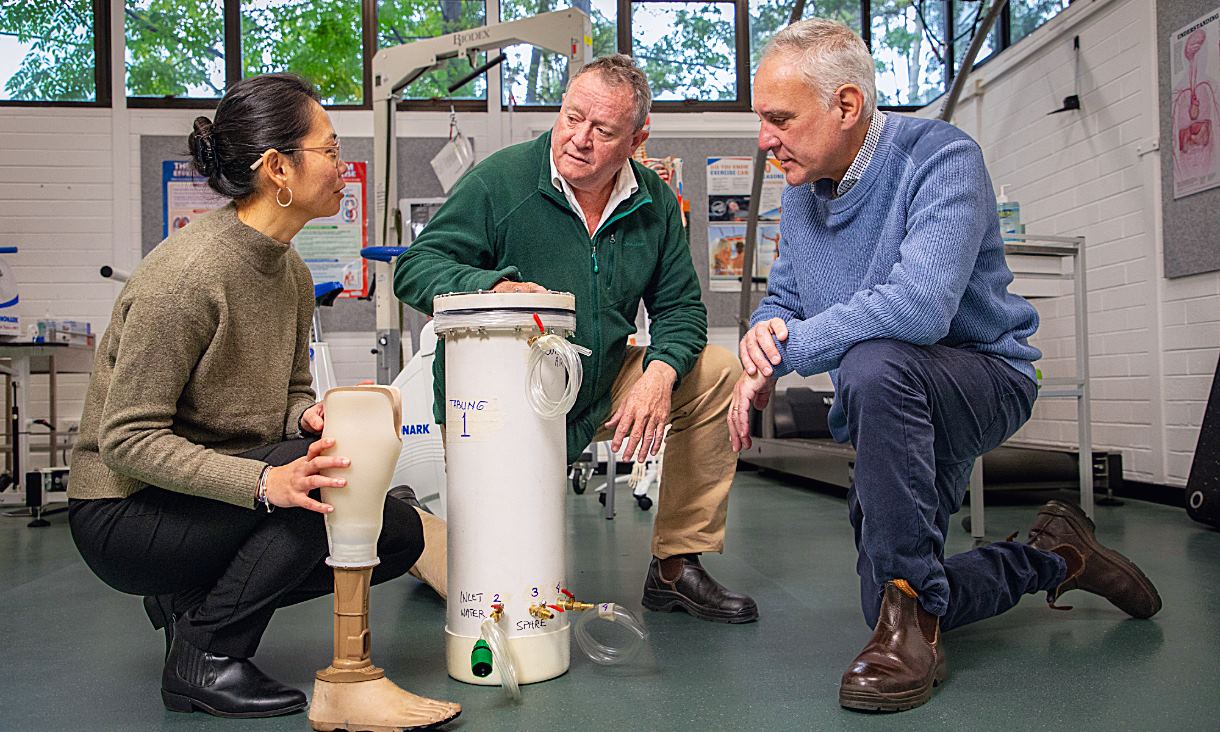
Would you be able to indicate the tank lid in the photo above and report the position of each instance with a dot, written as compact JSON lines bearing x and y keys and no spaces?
{"x":504,"y":301}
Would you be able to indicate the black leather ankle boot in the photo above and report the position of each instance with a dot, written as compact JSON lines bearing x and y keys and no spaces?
{"x":160,"y":612}
{"x":222,"y":686}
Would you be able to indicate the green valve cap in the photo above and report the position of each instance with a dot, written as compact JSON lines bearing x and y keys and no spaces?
{"x":480,"y":659}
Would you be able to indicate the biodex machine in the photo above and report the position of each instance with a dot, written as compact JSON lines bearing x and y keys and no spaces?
{"x":510,"y":378}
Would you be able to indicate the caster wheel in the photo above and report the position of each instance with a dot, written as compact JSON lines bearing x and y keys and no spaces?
{"x":578,"y":485}
{"x":644,"y":502}
{"x":601,"y":498}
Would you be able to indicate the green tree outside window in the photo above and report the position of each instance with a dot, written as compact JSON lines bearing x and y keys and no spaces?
{"x":47,"y":47}
{"x":686,"y":49}
{"x":175,"y":48}
{"x":533,"y":76}
{"x":1027,"y":15}
{"x":768,"y":17}
{"x":403,"y":21}
{"x":908,"y":39}
{"x":318,"y":39}
{"x":969,"y":18}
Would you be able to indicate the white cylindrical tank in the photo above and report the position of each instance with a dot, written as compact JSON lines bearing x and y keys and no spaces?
{"x":506,"y":468}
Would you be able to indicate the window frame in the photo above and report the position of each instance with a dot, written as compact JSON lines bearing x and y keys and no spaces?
{"x":415,"y":105}
{"x":232,"y":49}
{"x":104,"y":73}
{"x":233,"y":56}
{"x":101,"y":66}
{"x":741,"y":47}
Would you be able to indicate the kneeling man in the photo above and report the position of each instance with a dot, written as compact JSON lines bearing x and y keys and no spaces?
{"x":891,"y":276}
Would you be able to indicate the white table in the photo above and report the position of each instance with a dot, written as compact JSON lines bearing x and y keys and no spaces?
{"x":24,"y":360}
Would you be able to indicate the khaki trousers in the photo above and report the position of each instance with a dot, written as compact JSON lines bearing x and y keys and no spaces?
{"x":699,"y":463}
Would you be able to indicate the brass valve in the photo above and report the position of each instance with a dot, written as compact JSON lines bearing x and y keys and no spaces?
{"x":541,"y":612}
{"x":571,"y":603}
{"x":497,"y":611}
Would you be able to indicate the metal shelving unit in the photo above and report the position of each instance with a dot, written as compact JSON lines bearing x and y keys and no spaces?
{"x":1061,"y":387}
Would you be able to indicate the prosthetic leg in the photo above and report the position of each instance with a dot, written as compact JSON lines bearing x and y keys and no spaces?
{"x":352,"y":694}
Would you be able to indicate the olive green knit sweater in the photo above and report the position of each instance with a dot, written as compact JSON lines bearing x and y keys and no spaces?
{"x":206,"y":356}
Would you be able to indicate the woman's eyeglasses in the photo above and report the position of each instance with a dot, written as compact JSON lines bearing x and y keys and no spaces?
{"x":334,"y":152}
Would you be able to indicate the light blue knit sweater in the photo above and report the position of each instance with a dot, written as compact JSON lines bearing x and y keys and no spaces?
{"x":912,"y":252}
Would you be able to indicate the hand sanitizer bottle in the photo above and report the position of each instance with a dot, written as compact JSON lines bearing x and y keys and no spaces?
{"x":1009,"y":213}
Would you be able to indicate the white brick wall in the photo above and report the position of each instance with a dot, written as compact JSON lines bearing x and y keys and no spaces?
{"x":1153,"y":342}
{"x":56,"y":194}
{"x":70,"y":187}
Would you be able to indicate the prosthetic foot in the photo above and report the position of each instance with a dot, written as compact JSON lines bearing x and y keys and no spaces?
{"x":352,"y":694}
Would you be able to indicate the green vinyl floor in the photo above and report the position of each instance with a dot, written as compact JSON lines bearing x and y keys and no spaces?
{"x":76,"y":655}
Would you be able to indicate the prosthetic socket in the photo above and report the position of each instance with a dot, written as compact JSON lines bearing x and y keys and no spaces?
{"x":353,"y":694}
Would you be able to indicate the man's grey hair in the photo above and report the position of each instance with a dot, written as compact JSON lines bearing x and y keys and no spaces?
{"x":829,"y":55}
{"x":617,"y":70}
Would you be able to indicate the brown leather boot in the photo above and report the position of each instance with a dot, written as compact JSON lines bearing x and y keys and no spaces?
{"x":903,"y":660}
{"x":1063,"y":528}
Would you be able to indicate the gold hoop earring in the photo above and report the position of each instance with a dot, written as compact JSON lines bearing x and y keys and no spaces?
{"x":277,"y":197}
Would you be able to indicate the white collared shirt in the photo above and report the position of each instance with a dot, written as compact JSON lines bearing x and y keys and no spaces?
{"x":625,"y":186}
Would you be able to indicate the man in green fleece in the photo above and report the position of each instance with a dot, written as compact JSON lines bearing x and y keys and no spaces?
{"x":572,"y":211}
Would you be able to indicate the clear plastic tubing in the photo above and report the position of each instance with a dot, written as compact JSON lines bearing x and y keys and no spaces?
{"x":552,"y":344}
{"x":567,"y":356}
{"x":599,"y":652}
{"x":497,"y":639}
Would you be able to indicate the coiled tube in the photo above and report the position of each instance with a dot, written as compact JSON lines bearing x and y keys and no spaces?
{"x":498,"y":640}
{"x":601,"y":653}
{"x":567,"y":355}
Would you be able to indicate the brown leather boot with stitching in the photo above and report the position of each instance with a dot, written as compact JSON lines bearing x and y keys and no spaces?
{"x":1063,"y":528}
{"x":903,"y":660}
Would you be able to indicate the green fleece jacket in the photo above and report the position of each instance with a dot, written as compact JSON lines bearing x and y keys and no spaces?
{"x":506,"y":220}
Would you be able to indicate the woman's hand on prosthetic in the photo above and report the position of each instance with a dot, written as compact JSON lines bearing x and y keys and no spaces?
{"x":289,"y":485}
{"x":314,"y":419}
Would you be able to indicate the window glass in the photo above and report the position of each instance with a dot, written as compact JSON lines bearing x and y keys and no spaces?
{"x":535,"y":76}
{"x":318,"y":39}
{"x":969,"y":17}
{"x":403,"y":21}
{"x":175,"y":48}
{"x":907,"y":39}
{"x":1027,"y":15}
{"x":686,"y":49}
{"x":768,"y":17}
{"x":46,"y":51}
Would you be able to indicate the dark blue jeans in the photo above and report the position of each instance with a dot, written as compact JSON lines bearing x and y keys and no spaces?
{"x":918,"y":417}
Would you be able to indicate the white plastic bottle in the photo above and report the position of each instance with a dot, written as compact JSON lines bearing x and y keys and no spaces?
{"x":1009,"y":213}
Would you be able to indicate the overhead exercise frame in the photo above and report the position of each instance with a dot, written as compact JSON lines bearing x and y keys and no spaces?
{"x":567,"y":32}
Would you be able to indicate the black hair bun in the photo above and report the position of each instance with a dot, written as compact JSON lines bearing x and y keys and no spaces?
{"x":203,"y":147}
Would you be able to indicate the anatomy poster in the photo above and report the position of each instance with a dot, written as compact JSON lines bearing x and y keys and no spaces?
{"x":184,"y":195}
{"x":1194,"y":56}
{"x":331,"y":246}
